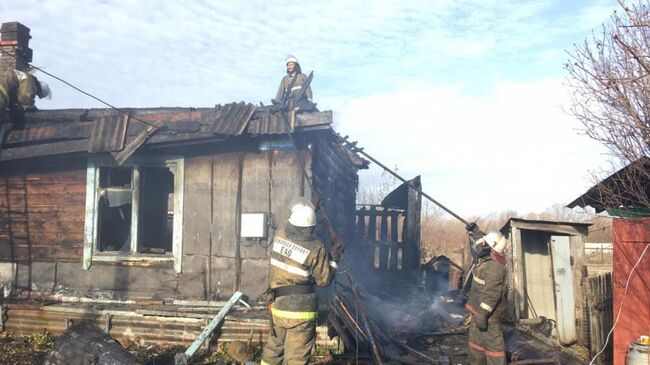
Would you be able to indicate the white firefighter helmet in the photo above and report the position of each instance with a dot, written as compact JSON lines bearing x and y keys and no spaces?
{"x":45,"y":90}
{"x":291,"y":58}
{"x":494,"y":239}
{"x":302,"y":213}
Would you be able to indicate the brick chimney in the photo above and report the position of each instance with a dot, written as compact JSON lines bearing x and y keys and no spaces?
{"x":14,"y":39}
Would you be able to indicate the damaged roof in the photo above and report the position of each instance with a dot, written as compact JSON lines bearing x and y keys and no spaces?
{"x":55,"y":132}
{"x":621,"y":189}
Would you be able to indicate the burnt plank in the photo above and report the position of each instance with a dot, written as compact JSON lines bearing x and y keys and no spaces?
{"x":134,"y":144}
{"x":313,"y":119}
{"x":198,"y":190}
{"x":255,"y":199}
{"x":286,"y":179}
{"x":108,"y":133}
{"x":225,"y":180}
{"x":83,"y":130}
{"x":49,"y":149}
{"x":75,"y":130}
{"x":254,"y":280}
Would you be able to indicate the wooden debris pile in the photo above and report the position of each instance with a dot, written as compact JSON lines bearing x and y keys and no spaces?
{"x":420,"y":328}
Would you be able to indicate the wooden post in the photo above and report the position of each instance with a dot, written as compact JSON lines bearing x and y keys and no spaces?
{"x":372,"y":224}
{"x":383,"y":230}
{"x":394,"y":220}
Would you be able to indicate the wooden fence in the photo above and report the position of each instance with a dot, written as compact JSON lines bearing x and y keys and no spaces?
{"x":598,"y":302}
{"x":381,"y":230}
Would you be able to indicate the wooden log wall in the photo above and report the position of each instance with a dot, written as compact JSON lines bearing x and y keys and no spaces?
{"x":336,"y":181}
{"x":42,"y":212}
{"x":598,"y":299}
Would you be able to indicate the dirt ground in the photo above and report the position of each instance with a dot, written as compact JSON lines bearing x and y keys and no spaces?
{"x":32,"y":350}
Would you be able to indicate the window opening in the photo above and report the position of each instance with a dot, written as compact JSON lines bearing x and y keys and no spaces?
{"x":156,"y":211}
{"x":115,"y":206}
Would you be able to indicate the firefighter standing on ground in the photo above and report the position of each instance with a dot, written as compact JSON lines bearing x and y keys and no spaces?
{"x":18,"y":91}
{"x":293,"y":71}
{"x":487,"y":301}
{"x":298,"y":261}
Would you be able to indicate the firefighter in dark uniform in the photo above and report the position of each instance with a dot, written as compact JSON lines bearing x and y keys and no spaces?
{"x":294,"y":72}
{"x":18,"y":91}
{"x":298,"y":261}
{"x":487,"y":301}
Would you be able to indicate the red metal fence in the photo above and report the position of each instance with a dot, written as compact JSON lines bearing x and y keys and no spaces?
{"x":630,"y":236}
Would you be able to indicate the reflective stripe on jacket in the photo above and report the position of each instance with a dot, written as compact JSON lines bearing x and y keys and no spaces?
{"x":297,"y":86}
{"x":297,"y":259}
{"x":488,"y":289}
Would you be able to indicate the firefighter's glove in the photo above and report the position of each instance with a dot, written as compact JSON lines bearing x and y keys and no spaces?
{"x":337,"y":248}
{"x":481,"y":321}
{"x":473,"y":230}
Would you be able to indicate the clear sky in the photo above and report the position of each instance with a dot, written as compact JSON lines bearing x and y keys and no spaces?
{"x":469,"y":94}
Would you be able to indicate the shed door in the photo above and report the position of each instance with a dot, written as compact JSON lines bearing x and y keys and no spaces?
{"x":563,"y":281}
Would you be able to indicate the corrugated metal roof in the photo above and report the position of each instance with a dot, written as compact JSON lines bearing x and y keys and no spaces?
{"x":109,"y":133}
{"x":106,"y":130}
{"x":269,"y":122}
{"x":230,"y":119}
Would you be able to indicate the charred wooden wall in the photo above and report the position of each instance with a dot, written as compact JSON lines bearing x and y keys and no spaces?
{"x":42,"y":210}
{"x":218,"y":189}
{"x":335,"y":180}
{"x":42,"y":207}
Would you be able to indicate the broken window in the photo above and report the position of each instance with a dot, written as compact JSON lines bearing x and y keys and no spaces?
{"x":134,"y":210}
{"x":115,"y":206}
{"x":156,"y":220}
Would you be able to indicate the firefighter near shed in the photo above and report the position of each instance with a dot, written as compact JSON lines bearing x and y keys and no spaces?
{"x":487,"y":301}
{"x":298,"y":262}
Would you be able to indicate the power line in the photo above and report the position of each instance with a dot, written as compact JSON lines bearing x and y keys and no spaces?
{"x":81,"y":91}
{"x":122,"y":111}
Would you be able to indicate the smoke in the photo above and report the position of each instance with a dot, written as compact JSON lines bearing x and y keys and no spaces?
{"x":397,"y":300}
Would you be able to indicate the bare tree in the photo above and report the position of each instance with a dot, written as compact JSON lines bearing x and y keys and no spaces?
{"x":375,"y":190}
{"x":610,"y":79}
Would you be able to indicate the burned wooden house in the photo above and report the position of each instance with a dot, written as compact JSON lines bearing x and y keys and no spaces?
{"x":170,"y":206}
{"x":188,"y":214}
{"x":175,"y":203}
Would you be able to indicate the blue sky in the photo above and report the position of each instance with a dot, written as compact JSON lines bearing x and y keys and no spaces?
{"x":467,"y":93}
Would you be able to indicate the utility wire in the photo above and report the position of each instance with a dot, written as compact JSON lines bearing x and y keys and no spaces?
{"x":80,"y":90}
{"x":354,"y":148}
{"x":122,"y":111}
{"x":620,"y":308}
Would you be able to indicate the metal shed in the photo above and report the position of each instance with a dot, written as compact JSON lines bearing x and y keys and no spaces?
{"x":546,"y":258}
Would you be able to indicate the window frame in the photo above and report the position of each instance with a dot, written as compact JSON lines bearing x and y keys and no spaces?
{"x":91,"y":251}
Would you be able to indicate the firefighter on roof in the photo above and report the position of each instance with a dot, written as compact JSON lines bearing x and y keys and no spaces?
{"x":298,"y":261}
{"x":487,"y":301}
{"x":289,"y":88}
{"x":18,"y":91}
